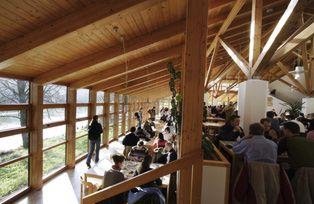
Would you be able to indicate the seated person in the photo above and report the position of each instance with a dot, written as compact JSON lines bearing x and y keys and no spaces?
{"x":129,"y":141}
{"x":159,"y":142}
{"x":148,"y":128}
{"x":256,"y":147}
{"x":142,"y":134}
{"x":114,"y":176}
{"x":310,"y":133}
{"x":168,"y":135}
{"x":138,"y":152}
{"x":169,"y":155}
{"x":269,"y":132}
{"x":231,"y":130}
{"x":171,"y":127}
{"x":299,"y":149}
{"x":144,"y":167}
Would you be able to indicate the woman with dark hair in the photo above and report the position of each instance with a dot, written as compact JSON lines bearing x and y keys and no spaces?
{"x":159,"y":141}
{"x":144,"y":167}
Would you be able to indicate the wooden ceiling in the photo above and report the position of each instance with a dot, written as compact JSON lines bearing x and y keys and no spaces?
{"x":123,"y":46}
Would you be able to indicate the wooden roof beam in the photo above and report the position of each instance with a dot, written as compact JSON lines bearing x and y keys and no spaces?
{"x":277,"y":36}
{"x":148,"y":88}
{"x":140,"y":84}
{"x":236,"y":57}
{"x":100,"y":10}
{"x":133,"y":45}
{"x":233,"y":13}
{"x":299,"y":36}
{"x":133,"y":65}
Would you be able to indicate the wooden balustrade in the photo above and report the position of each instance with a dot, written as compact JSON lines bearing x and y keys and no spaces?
{"x":182,"y":163}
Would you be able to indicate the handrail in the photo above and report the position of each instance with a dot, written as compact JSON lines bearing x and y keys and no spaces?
{"x":141,"y":179}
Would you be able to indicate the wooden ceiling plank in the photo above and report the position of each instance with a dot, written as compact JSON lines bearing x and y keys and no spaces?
{"x":255,"y":31}
{"x":146,"y":88}
{"x":233,"y":13}
{"x":276,"y":37}
{"x":133,"y":45}
{"x":236,"y":57}
{"x":101,"y":10}
{"x":211,"y":64}
{"x":133,"y":65}
{"x":300,"y":35}
{"x":284,"y":68}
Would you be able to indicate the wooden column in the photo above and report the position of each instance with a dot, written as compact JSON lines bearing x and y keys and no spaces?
{"x":36,"y":137}
{"x":92,"y":104}
{"x":123,"y":115}
{"x":106,"y":120}
{"x":70,"y":127}
{"x":256,"y":31}
{"x":190,"y":179}
{"x":116,"y":117}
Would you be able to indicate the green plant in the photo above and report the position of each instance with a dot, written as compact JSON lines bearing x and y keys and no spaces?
{"x":208,"y":147}
{"x":176,"y":98}
{"x":294,"y":109}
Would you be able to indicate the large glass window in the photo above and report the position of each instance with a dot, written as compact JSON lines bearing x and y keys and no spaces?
{"x":120,"y":98}
{"x":13,"y":177}
{"x":100,"y":97}
{"x":111,"y":108}
{"x":54,"y":135}
{"x":82,"y":112}
{"x":81,"y":128}
{"x":55,"y":94}
{"x":12,"y":119}
{"x":111,"y":97}
{"x":82,"y":96}
{"x":81,"y":146}
{"x":99,"y":110}
{"x":14,"y":91}
{"x":53,"y":159}
{"x":111,"y":120}
{"x":110,"y":136}
{"x":51,"y":115}
{"x":13,"y":147}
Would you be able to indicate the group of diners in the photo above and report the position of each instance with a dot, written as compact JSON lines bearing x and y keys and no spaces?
{"x":270,"y":141}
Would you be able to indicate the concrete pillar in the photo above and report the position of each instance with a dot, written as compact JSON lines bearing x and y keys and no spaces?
{"x":252,"y":102}
{"x":308,"y":106}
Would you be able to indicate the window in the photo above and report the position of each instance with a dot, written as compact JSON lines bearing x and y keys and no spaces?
{"x":55,"y":94}
{"x":82,"y":96}
{"x":111,"y":120}
{"x":54,"y":135}
{"x":13,"y":177}
{"x":51,"y":115}
{"x":81,"y":146}
{"x":111,"y":109}
{"x":110,"y":136}
{"x":53,"y":159}
{"x":81,"y":128}
{"x":82,"y":112}
{"x":13,"y":147}
{"x":99,"y":110}
{"x":111,"y":97}
{"x":100,"y":97}
{"x":13,"y":119}
{"x":14,"y":91}
{"x":120,"y":98}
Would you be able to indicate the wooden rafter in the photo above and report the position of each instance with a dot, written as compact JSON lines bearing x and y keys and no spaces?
{"x":133,"y":65}
{"x":146,"y":88}
{"x":255,"y":31}
{"x":299,"y":36}
{"x":139,"y":43}
{"x":236,"y":57}
{"x":233,"y":13}
{"x":307,"y":70}
{"x":284,"y":68}
{"x":101,"y":10}
{"x":277,"y":36}
{"x":211,"y":64}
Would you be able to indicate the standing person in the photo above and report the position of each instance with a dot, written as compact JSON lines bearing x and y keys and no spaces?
{"x":269,"y":132}
{"x":129,"y":141}
{"x":94,"y":131}
{"x":231,"y":130}
{"x":140,"y":113}
{"x":138,"y":119}
{"x":152,"y":113}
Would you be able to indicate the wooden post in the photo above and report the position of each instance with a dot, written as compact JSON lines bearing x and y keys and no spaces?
{"x":255,"y":31}
{"x":70,"y":127}
{"x":106,"y":120}
{"x":92,"y":104}
{"x":123,"y":115}
{"x":190,"y":179}
{"x":116,"y":116}
{"x":36,"y":137}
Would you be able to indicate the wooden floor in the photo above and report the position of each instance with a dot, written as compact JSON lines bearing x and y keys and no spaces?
{"x":65,"y":188}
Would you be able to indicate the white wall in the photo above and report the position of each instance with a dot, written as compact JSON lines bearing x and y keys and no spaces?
{"x":308,"y":106}
{"x":277,"y":104}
